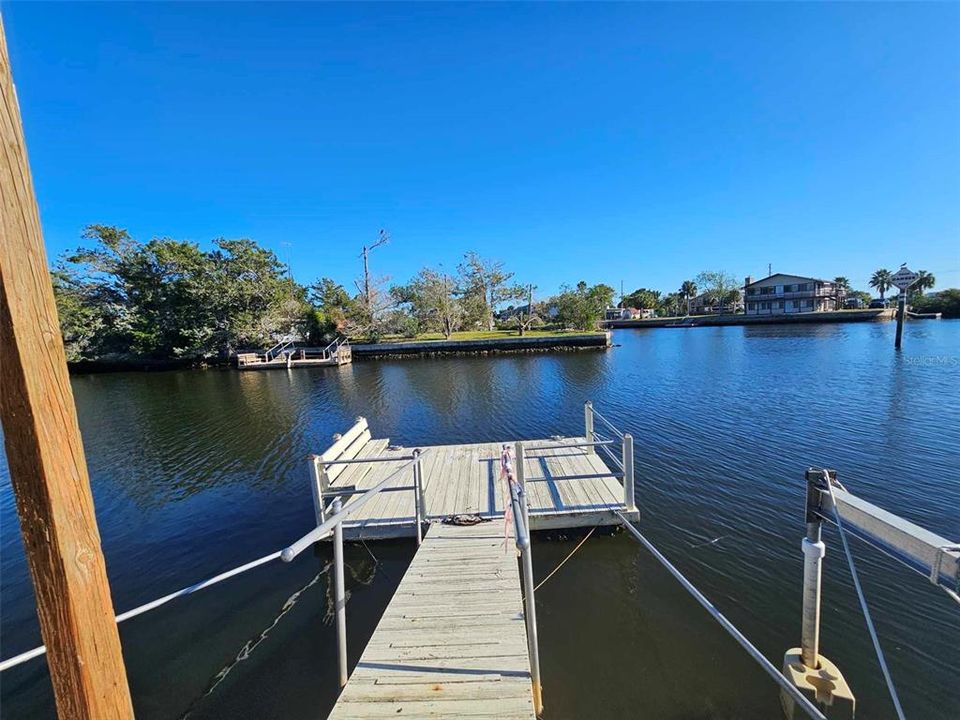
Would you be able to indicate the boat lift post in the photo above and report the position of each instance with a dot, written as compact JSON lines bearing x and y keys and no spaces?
{"x":805,"y":667}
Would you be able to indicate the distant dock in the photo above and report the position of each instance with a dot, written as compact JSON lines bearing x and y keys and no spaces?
{"x":284,"y":355}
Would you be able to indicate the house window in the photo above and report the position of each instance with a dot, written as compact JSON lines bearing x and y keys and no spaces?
{"x":789,"y":288}
{"x":767,"y":290}
{"x":751,"y":291}
{"x":752,"y":306}
{"x":780,"y":305}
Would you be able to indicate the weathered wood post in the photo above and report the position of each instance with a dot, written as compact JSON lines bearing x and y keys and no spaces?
{"x":45,"y":453}
{"x":340,"y":595}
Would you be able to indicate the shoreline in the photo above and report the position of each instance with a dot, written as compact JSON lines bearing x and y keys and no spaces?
{"x":832,"y":316}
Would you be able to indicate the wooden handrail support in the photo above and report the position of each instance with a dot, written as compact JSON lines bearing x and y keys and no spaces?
{"x":45,"y":453}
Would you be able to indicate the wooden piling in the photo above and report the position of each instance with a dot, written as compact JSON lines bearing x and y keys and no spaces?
{"x":44,"y":451}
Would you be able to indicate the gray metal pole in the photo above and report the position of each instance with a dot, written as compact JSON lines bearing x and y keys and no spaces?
{"x":588,"y":421}
{"x":522,"y":482}
{"x":417,"y":496}
{"x":628,"y":488}
{"x":340,"y":595}
{"x":530,"y":611}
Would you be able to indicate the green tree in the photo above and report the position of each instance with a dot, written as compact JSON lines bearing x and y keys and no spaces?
{"x":882,"y":281}
{"x":945,"y":301}
{"x":924,"y":282}
{"x":332,"y":307}
{"x":484,"y":285}
{"x":582,"y":307}
{"x":689,"y":291}
{"x":672,"y":304}
{"x":722,"y":288}
{"x":642,"y":298}
{"x":430,"y":299}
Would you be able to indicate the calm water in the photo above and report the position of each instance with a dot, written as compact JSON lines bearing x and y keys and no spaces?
{"x":196,"y":472}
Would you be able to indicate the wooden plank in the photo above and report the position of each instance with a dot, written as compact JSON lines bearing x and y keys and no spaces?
{"x":48,"y":470}
{"x":452,"y":642}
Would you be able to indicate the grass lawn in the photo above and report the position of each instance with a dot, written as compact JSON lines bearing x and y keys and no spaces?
{"x":488,"y":335}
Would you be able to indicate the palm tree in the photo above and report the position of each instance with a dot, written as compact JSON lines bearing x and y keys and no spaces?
{"x":881,"y":280}
{"x":688,"y":290}
{"x":924,"y":281}
{"x":841,"y":286}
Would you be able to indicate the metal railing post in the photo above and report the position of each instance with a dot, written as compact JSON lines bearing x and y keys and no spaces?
{"x":588,"y":421}
{"x":418,"y":496}
{"x":628,"y":488}
{"x":522,"y":482}
{"x":340,"y":594}
{"x":317,"y":487}
{"x":813,"y":552}
{"x":530,"y":609}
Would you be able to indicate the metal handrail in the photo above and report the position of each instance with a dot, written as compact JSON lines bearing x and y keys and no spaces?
{"x":328,"y":526}
{"x":357,"y":461}
{"x":562,"y":445}
{"x":518,"y":500}
{"x":613,"y":428}
{"x":731,"y":629}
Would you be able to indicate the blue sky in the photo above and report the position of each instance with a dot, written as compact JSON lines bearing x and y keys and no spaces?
{"x":640,"y":143}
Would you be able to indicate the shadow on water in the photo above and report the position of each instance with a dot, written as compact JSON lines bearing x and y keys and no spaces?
{"x":197,"y":472}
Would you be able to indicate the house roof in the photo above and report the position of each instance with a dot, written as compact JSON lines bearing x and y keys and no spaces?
{"x":787,"y":275}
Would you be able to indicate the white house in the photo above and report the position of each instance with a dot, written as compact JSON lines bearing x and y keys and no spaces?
{"x":780,"y":294}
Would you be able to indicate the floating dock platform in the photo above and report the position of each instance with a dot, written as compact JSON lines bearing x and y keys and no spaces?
{"x":458,"y":639}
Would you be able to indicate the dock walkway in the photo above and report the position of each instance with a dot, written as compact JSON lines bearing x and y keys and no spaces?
{"x":452,"y":642}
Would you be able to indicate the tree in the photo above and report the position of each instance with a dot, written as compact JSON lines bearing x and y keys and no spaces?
{"x":332,"y":307}
{"x":882,"y":281}
{"x":924,"y":282}
{"x":483,"y":287}
{"x":527,"y":315}
{"x":672,"y":304}
{"x":945,"y":301}
{"x":719,"y":287}
{"x":167,"y":298}
{"x":582,"y":307}
{"x":432,"y":302}
{"x":689,"y":291}
{"x":642,"y":298}
{"x":841,"y":288}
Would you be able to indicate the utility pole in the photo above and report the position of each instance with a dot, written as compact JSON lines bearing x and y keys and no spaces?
{"x":383,"y":239}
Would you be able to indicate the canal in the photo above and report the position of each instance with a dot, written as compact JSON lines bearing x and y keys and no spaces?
{"x":195,"y":472}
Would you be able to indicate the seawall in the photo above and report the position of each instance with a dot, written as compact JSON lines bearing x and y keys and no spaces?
{"x":839,"y":316}
{"x":557,"y":343}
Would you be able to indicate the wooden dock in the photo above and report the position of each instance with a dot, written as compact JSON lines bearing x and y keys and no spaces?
{"x":459,"y":639}
{"x":567,"y":486}
{"x":284,"y":355}
{"x":452,"y":643}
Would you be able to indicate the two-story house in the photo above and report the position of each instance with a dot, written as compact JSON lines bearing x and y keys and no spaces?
{"x":780,"y":294}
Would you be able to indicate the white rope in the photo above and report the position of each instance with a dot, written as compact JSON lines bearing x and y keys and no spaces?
{"x":38,"y":651}
{"x":751,"y":649}
{"x":863,"y":603}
